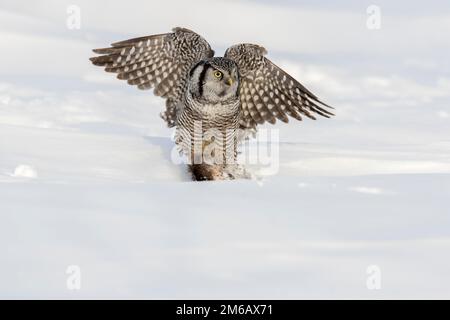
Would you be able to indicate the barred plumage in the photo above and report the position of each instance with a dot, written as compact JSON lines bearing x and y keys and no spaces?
{"x":238,"y":91}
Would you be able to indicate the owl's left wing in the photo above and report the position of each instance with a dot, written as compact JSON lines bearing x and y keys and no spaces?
{"x":159,"y":61}
{"x":267,"y":92}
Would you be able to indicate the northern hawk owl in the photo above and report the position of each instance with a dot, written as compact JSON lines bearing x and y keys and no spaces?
{"x":210,"y":100}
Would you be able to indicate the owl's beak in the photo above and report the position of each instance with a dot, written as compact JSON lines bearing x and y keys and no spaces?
{"x":230,"y":81}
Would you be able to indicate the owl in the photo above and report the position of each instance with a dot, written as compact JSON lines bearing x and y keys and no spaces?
{"x":214,"y":102}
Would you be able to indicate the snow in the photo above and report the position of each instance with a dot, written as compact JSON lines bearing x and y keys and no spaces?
{"x":226,"y":240}
{"x":25,"y":171}
{"x":117,"y":207}
{"x":88,"y":179}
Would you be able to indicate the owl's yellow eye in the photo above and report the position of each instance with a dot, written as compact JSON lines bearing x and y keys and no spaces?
{"x":217,"y":74}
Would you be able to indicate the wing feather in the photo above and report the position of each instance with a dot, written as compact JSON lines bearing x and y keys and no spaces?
{"x":160,"y":61}
{"x":268,"y":92}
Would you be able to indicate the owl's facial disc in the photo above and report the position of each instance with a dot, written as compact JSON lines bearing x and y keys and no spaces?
{"x":214,"y":83}
{"x":220,"y":84}
{"x":219,"y":75}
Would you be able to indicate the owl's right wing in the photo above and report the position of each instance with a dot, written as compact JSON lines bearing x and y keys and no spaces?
{"x":159,"y":61}
{"x":267,"y":92}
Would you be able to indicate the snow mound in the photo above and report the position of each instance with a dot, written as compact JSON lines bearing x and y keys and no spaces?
{"x":25,"y":171}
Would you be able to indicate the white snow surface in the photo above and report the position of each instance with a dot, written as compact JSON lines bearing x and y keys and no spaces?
{"x":116,"y":206}
{"x":87,"y":178}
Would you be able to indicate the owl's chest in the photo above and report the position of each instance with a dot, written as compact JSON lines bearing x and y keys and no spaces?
{"x":213,"y":115}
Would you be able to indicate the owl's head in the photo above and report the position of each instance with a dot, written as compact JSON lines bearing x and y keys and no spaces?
{"x":214,"y":80}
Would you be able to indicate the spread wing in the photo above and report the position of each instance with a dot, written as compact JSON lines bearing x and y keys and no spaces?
{"x":158,"y":61}
{"x":267,"y":92}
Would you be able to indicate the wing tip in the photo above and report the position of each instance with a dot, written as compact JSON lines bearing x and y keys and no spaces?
{"x":99,"y":50}
{"x":95,"y":61}
{"x":325,"y":104}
